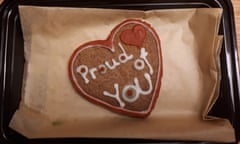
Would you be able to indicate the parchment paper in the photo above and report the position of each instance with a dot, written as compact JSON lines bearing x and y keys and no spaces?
{"x":50,"y":107}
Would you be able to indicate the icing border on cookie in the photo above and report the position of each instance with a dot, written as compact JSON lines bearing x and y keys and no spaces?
{"x":108,"y":44}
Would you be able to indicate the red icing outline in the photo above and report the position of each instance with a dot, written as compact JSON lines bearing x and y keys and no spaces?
{"x":108,"y":44}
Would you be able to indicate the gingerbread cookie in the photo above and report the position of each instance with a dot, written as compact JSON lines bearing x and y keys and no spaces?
{"x":122,"y":73}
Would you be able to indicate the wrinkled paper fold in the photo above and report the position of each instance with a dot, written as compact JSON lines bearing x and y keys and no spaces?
{"x":50,"y":107}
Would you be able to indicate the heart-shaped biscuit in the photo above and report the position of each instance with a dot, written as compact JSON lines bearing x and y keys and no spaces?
{"x":122,"y":73}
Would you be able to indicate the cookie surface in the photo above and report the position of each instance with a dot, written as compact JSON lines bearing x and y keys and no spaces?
{"x":122,"y":73}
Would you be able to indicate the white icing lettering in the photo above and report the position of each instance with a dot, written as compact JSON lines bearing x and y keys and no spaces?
{"x":115,"y":96}
{"x":83,"y":71}
{"x":136,"y":90}
{"x":114,"y":64}
{"x":143,"y":55}
{"x":92,"y":72}
{"x":139,"y":64}
{"x":130,"y":94}
{"x":102,"y":69}
{"x":123,"y":57}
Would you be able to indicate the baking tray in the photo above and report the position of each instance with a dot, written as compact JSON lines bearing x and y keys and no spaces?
{"x":12,"y":62}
